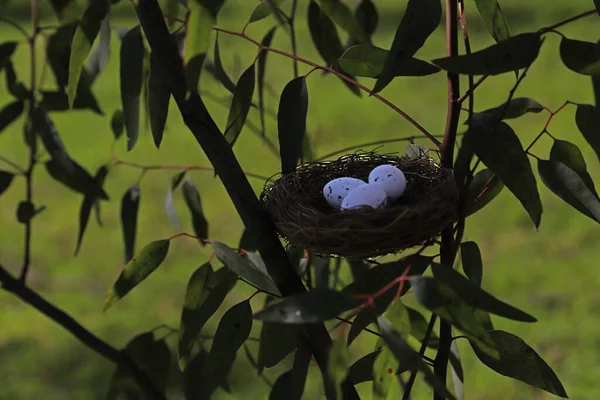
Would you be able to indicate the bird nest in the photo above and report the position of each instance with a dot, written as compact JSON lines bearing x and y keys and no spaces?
{"x":303,"y":217}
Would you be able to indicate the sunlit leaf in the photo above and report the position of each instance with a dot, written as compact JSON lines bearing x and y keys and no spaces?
{"x":337,"y":365}
{"x":138,"y":269}
{"x":420,"y":19}
{"x":131,"y":79}
{"x":5,"y":180}
{"x":159,"y":94}
{"x":242,"y":267}
{"x":78,"y":179}
{"x":10,"y":113}
{"x":264,"y":9}
{"x":484,"y":188}
{"x":84,"y":38}
{"x":89,"y":200}
{"x":497,"y":145}
{"x":409,"y":358}
{"x":240,"y":105}
{"x":197,"y":40}
{"x":472,"y":294}
{"x":519,"y":361}
{"x":587,"y":118}
{"x":130,"y":204}
{"x":260,"y":76}
{"x":291,"y":122}
{"x":343,"y":17}
{"x":515,"y":108}
{"x":458,"y":378}
{"x":205,"y":292}
{"x":493,"y":19}
{"x":580,"y":56}
{"x":569,"y":186}
{"x":418,"y":328}
{"x":309,"y":307}
{"x":512,"y":54}
{"x":192,"y":199}
{"x":366,"y":60}
{"x":66,"y":10}
{"x":233,"y":330}
{"x":471,"y":261}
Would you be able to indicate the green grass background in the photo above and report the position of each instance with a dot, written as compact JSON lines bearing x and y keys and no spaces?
{"x":551,"y":273}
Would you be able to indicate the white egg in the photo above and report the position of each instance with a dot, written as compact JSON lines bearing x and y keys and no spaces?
{"x":336,"y":190}
{"x":365,"y":195}
{"x":391,"y":179}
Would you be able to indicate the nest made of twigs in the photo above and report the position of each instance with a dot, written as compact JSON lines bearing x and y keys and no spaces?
{"x":303,"y":217}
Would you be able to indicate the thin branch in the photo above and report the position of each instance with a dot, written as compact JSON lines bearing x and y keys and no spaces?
{"x":293,"y":37}
{"x":567,"y":21}
{"x":340,"y":75}
{"x":413,"y":375}
{"x":16,"y":26}
{"x":20,"y":169}
{"x":18,"y":288}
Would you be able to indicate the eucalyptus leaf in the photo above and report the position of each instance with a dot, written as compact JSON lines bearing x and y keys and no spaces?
{"x":291,"y":122}
{"x":132,"y":55}
{"x":493,"y":19}
{"x":130,"y":204}
{"x":240,"y":105}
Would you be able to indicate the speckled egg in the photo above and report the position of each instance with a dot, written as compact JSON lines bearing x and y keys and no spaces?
{"x":336,"y":190}
{"x":390,"y":178}
{"x":365,"y":195}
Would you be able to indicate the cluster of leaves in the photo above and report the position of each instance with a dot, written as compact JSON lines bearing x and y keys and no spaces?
{"x":78,"y":51}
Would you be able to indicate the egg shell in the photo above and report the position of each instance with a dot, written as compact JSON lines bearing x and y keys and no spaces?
{"x":336,"y":190}
{"x":365,"y":195}
{"x":391,"y":179}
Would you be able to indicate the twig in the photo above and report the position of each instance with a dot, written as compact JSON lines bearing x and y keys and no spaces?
{"x":293,"y":36}
{"x":567,"y":21}
{"x":16,"y":26}
{"x":20,"y":169}
{"x":413,"y":375}
{"x":18,"y":288}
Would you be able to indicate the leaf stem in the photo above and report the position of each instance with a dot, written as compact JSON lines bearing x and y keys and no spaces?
{"x":340,"y":75}
{"x":20,"y":169}
{"x":16,"y":26}
{"x":567,"y":21}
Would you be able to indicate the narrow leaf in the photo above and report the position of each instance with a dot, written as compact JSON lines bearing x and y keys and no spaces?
{"x":43,"y":125}
{"x":86,"y":206}
{"x":197,"y":39}
{"x":78,"y":179}
{"x":493,"y":19}
{"x":362,"y":369}
{"x":260,"y":76}
{"x":458,"y":378}
{"x":587,"y":118}
{"x":484,"y":188}
{"x":367,"y":17}
{"x":6,"y":51}
{"x":192,"y":199}
{"x":580,"y":56}
{"x":519,"y":361}
{"x":10,"y":113}
{"x":276,"y":342}
{"x":117,"y":123}
{"x":131,"y":78}
{"x":418,"y":328}
{"x":367,"y":60}
{"x":138,"y":269}
{"x":159,"y":94}
{"x":337,"y":365}
{"x":99,"y":56}
{"x":240,"y":105}
{"x":497,"y":145}
{"x":291,"y":122}
{"x":510,"y":55}
{"x":597,"y":4}
{"x":472,"y":294}
{"x":169,"y":204}
{"x":264,"y":9}
{"x":569,"y":186}
{"x":220,"y":73}
{"x":300,"y":370}
{"x":471,"y":261}
{"x":196,"y":386}
{"x":515,"y":108}
{"x":244,"y":268}
{"x":130,"y":204}
{"x":343,"y":17}
{"x":5,"y":180}
{"x":310,"y":307}
{"x":420,"y":19}
{"x":570,"y":155}
{"x":233,"y":330}
{"x":84,"y":37}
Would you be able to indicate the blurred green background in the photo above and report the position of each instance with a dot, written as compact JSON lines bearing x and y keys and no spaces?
{"x":550,"y":273}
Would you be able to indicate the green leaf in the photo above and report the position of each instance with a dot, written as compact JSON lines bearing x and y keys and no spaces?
{"x":55,"y":100}
{"x":138,"y":269}
{"x":408,"y":357}
{"x":367,"y":60}
{"x":367,"y":17}
{"x":471,"y":261}
{"x":78,"y":179}
{"x":10,"y":113}
{"x":6,"y":51}
{"x":291,"y":122}
{"x":43,"y":125}
{"x":484,"y":188}
{"x":192,"y":199}
{"x":276,"y":342}
{"x":343,"y":17}
{"x":98,"y":58}
{"x":152,"y":356}
{"x":240,"y":105}
{"x":458,"y":378}
{"x":309,"y":307}
{"x":418,"y":328}
{"x":205,"y":292}
{"x":86,"y":206}
{"x":300,"y":371}
{"x":420,"y":19}
{"x":197,"y":39}
{"x":159,"y":94}
{"x":196,"y":386}
{"x":519,"y":361}
{"x":512,"y":54}
{"x":117,"y":123}
{"x":169,"y":204}
{"x":264,"y":9}
{"x":587,"y":118}
{"x":337,"y":365}
{"x":497,"y":145}
{"x":364,"y":318}
{"x":220,"y":73}
{"x":362,"y":369}
{"x":84,"y":37}
{"x":281,"y":388}
{"x":25,"y":211}
{"x":570,"y":155}
{"x":568,"y":185}
{"x":493,"y":19}
{"x":260,"y":76}
{"x":65,"y":10}
{"x":597,"y":4}
{"x":131,"y":78}
{"x":515,"y":108}
{"x":233,"y":330}
{"x":472,"y":294}
{"x":580,"y":56}
{"x":244,"y":268}
{"x":5,"y":180}
{"x":130,"y":204}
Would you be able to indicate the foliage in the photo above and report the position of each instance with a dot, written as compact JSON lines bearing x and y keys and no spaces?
{"x":300,"y":290}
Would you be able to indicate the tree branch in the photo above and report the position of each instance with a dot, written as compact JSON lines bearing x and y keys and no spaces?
{"x":18,"y":288}
{"x":220,"y":154}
